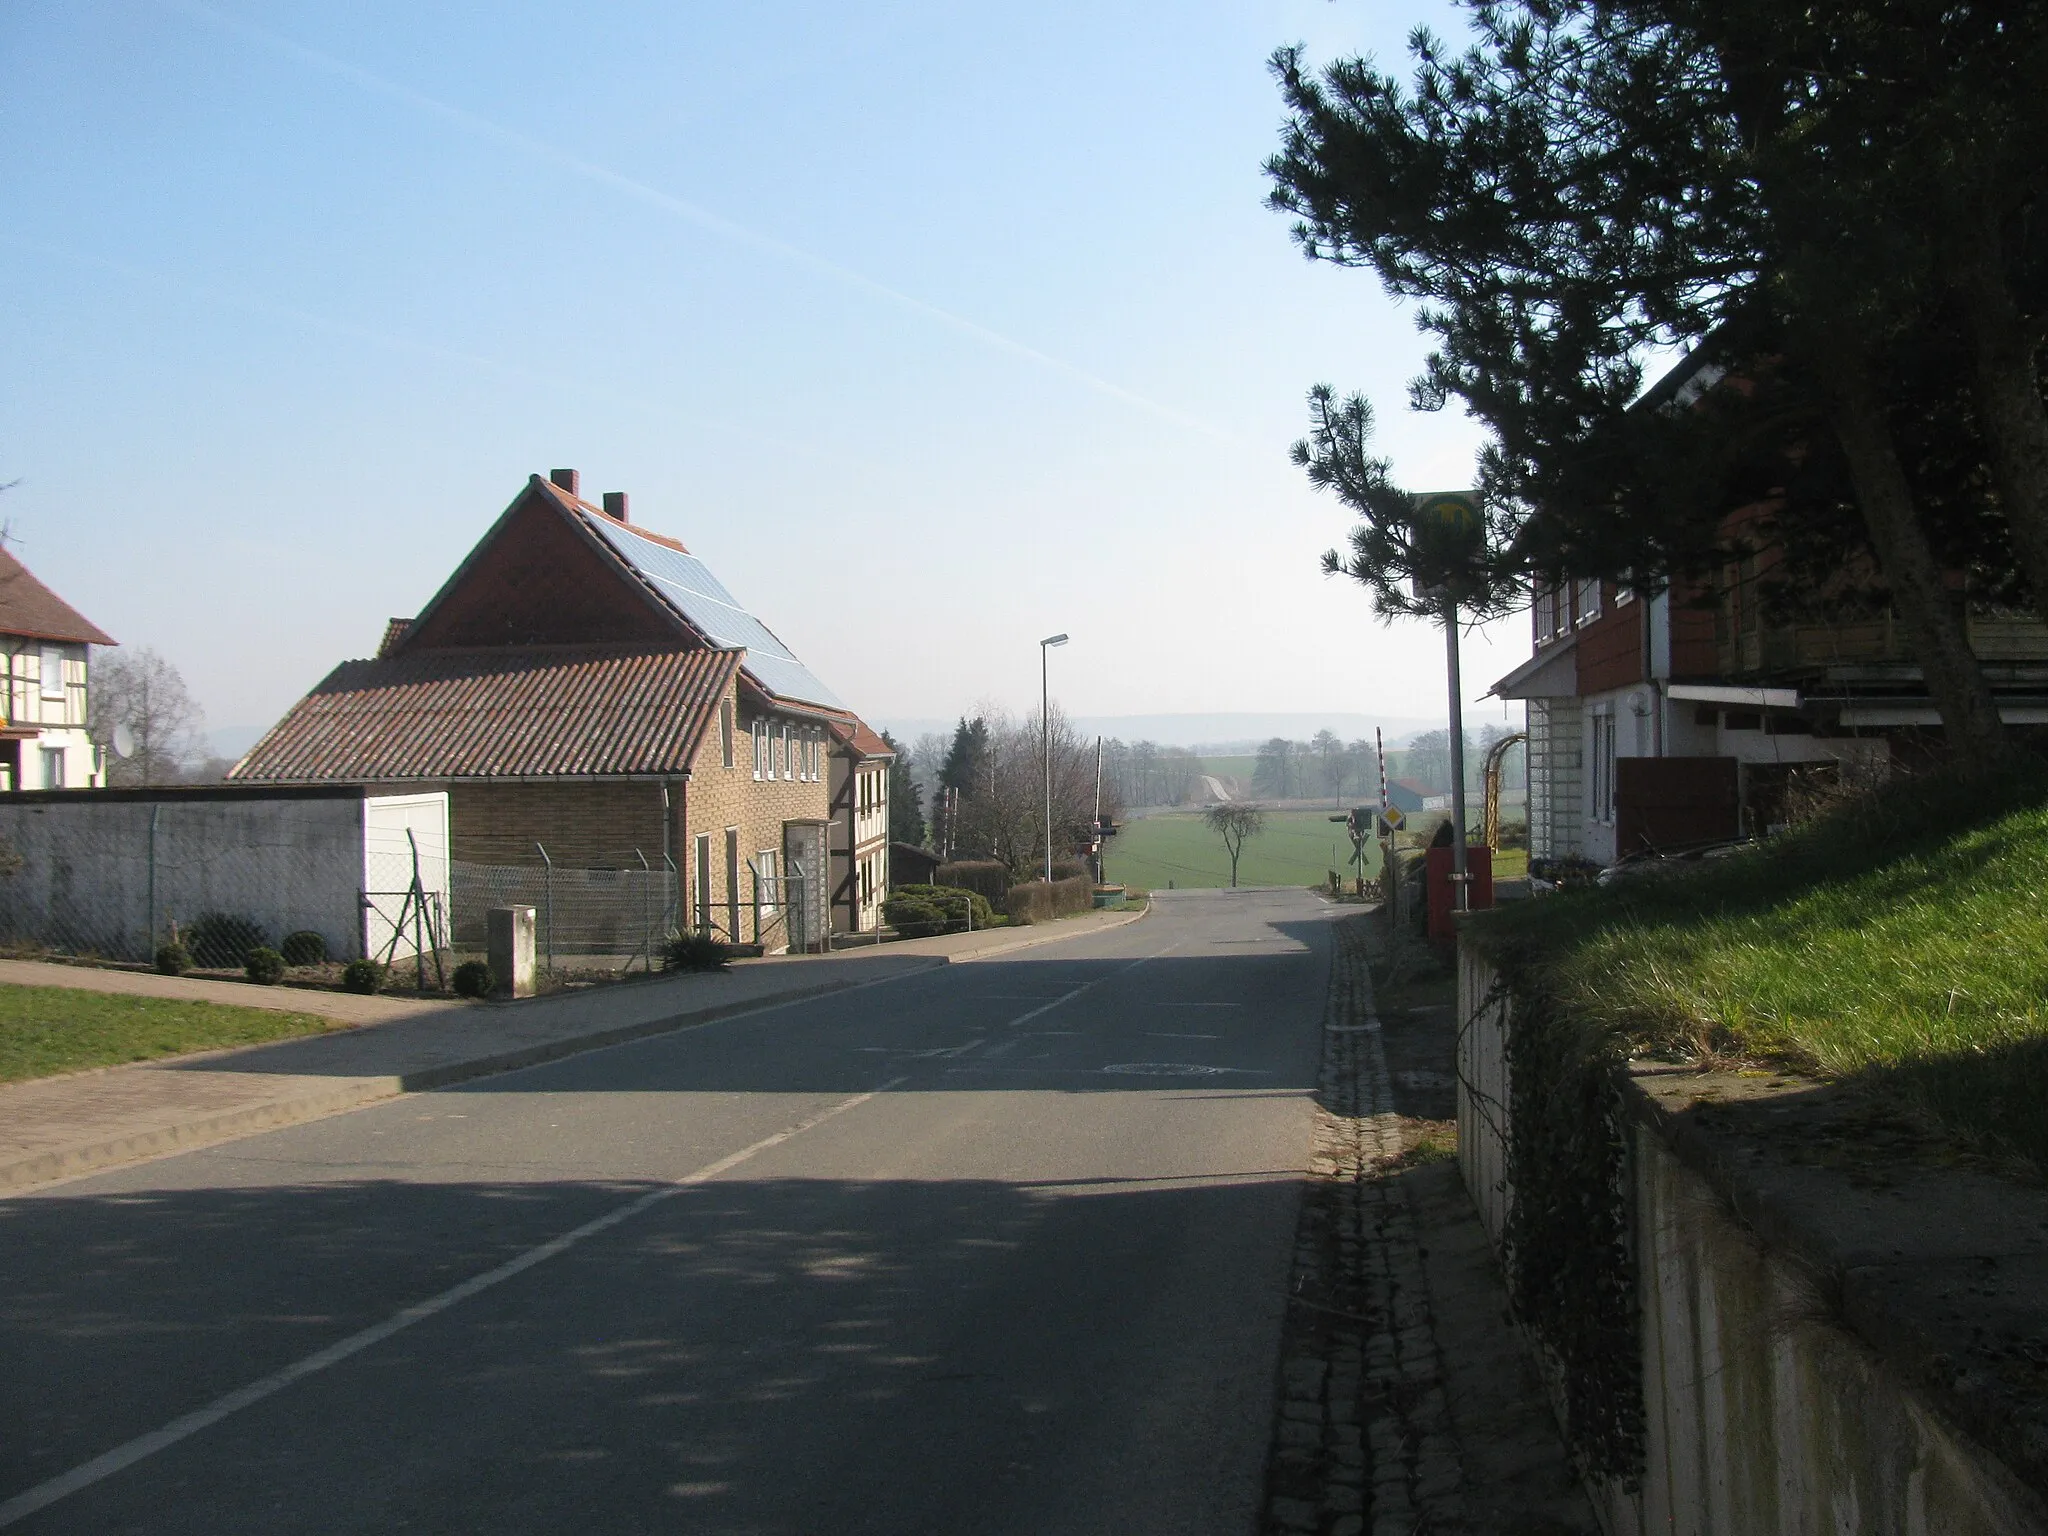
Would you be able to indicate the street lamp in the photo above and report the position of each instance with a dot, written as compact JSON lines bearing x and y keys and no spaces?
{"x":1045,"y":734}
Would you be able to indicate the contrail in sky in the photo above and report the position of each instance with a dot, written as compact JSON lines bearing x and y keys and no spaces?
{"x":695,"y":213}
{"x":554,"y":379}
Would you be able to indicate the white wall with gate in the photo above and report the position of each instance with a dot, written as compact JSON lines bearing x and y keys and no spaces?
{"x":108,"y":872}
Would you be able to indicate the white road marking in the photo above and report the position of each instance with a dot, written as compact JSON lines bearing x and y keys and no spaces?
{"x":44,"y":1494}
{"x":1161,"y":1034}
{"x":1194,"y":1005}
{"x":1089,"y":986}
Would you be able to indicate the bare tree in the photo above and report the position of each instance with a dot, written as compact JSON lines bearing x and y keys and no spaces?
{"x":1330,"y":764}
{"x":1235,"y":824}
{"x":139,"y":689}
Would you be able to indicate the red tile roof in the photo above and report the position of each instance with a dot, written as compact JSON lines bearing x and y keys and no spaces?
{"x":30,"y":609}
{"x":856,"y":733}
{"x":525,"y":712}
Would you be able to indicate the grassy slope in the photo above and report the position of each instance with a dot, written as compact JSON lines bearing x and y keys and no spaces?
{"x":1901,"y":943}
{"x":55,"y":1029}
{"x":1293,"y":850}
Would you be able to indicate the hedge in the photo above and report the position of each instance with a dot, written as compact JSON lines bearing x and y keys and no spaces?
{"x":918,"y":911}
{"x":1037,"y":902}
{"x":990,"y":878}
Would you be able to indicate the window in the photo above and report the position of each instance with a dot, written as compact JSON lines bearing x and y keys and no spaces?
{"x":767,"y":885}
{"x":725,"y":731}
{"x":53,"y":767}
{"x":784,"y":758}
{"x":1603,"y":767}
{"x":53,"y":672}
{"x":1589,"y":601}
{"x":1547,"y":606}
{"x":701,"y":877}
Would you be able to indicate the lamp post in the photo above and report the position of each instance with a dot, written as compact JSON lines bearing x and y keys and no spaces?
{"x":1045,"y":735}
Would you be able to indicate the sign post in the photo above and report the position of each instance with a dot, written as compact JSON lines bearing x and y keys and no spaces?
{"x":1451,"y":520}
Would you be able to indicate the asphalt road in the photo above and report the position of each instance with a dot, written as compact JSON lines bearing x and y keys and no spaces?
{"x":1000,"y":1247}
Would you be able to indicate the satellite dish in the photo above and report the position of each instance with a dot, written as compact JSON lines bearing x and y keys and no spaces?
{"x":124,"y":740}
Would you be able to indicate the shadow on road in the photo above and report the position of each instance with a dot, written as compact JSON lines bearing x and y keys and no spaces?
{"x":793,"y":1355}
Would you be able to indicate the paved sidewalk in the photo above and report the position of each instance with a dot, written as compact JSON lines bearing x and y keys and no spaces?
{"x":1408,"y":1403}
{"x":60,"y":1127}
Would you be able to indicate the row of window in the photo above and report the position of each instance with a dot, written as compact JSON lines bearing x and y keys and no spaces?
{"x":1571,"y":604}
{"x":788,"y":752}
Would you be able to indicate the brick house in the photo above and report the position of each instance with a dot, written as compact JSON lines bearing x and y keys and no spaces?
{"x":43,"y":741}
{"x":594,"y":699}
{"x":1684,"y":716}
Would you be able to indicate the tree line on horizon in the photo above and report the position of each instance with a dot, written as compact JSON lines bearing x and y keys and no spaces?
{"x":1328,"y":768}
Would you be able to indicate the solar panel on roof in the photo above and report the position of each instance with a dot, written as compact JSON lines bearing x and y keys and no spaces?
{"x":702,"y":598}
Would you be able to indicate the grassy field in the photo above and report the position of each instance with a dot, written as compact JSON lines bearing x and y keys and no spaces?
{"x":1295,"y":849}
{"x":1898,"y":945}
{"x":55,"y":1029}
{"x":1238,"y":767}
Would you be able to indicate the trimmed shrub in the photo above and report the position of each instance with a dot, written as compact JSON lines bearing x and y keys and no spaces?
{"x":173,"y":959}
{"x":696,"y":952}
{"x":1071,"y":869}
{"x":303,"y":948}
{"x":220,"y":940}
{"x":918,"y":911}
{"x":472,"y":979}
{"x":1035,"y":901}
{"x":989,"y":877}
{"x":264,"y":966}
{"x":364,"y":976}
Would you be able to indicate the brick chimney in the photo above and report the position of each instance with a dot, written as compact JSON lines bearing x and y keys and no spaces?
{"x":615,"y":505}
{"x":568,"y":480}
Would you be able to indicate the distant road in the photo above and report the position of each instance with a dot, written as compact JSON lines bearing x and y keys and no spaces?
{"x":1216,"y":790}
{"x":1001,"y":1248}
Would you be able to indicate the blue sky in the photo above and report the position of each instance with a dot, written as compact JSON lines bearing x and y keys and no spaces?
{"x":933,"y":328}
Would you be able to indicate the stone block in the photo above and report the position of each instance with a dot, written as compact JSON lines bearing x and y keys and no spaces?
{"x":510,"y":951}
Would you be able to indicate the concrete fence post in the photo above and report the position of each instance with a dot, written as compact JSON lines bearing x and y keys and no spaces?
{"x":510,"y":951}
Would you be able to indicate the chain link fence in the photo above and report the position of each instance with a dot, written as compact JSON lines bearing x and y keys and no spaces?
{"x":609,"y":911}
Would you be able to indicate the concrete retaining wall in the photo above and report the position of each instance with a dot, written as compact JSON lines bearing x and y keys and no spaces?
{"x":1765,"y":1412}
{"x":101,"y":871}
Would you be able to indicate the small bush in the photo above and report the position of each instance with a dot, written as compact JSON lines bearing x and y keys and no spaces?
{"x":219,"y":940}
{"x":1071,"y":869}
{"x":364,"y":976}
{"x":989,"y":877}
{"x":173,"y":959}
{"x":303,"y":948}
{"x":264,"y":966}
{"x":1038,"y":902}
{"x":473,"y":979}
{"x":696,"y":952}
{"x":918,"y":911}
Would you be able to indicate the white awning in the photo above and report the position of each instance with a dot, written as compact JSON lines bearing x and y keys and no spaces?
{"x":1927,"y":714}
{"x":1552,"y":673}
{"x":1741,"y":698}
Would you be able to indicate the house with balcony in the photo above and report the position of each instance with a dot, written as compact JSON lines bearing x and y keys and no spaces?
{"x":1689,"y":714}
{"x":594,"y":700}
{"x":44,"y":743}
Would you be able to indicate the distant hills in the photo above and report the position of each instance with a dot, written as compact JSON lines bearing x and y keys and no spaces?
{"x":1220,"y":734}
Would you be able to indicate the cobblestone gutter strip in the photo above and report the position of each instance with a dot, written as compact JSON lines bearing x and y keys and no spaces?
{"x":1364,"y":1440}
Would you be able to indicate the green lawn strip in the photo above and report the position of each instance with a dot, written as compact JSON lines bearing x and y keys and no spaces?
{"x":1900,"y":945}
{"x":1295,"y":849}
{"x":56,"y":1029}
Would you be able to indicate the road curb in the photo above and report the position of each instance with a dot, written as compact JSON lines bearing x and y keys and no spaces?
{"x":355,"y":1093}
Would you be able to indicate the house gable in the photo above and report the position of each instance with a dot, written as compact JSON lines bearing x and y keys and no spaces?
{"x":537,"y":578}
